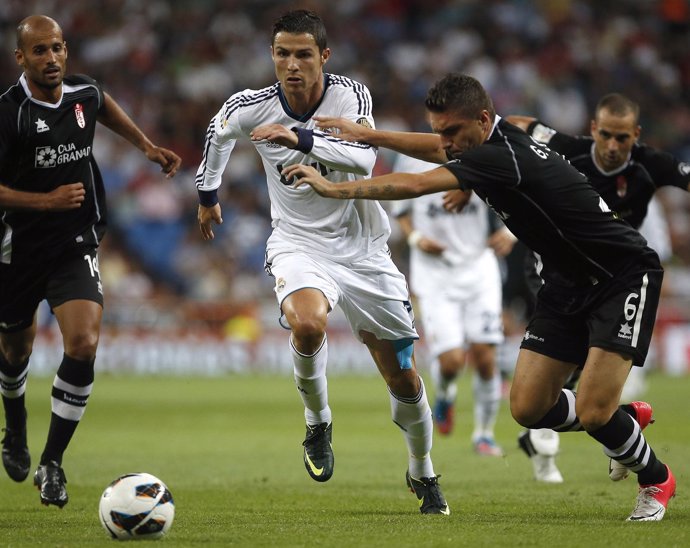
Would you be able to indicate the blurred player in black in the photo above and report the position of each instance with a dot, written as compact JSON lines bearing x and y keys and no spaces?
{"x":601,"y":288}
{"x":52,"y":211}
{"x":627,"y":174}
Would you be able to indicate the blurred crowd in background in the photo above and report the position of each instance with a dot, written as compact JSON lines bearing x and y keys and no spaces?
{"x":172,"y":63}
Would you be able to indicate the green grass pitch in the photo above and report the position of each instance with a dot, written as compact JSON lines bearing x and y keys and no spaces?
{"x":229,"y":449}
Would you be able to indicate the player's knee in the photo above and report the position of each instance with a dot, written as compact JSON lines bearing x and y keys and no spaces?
{"x":593,"y":418}
{"x":81,"y":346}
{"x":308,"y":334}
{"x":16,"y":355}
{"x":524,"y":413}
{"x":405,"y":384}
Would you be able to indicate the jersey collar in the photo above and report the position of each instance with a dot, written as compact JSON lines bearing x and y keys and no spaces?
{"x":25,"y":85}
{"x":616,"y":171}
{"x":308,"y":115}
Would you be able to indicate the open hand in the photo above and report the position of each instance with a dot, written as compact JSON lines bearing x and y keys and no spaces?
{"x":275,"y":133}
{"x":308,"y":175}
{"x":206,"y":216}
{"x":343,"y":128}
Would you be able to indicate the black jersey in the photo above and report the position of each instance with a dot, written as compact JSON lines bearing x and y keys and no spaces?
{"x":628,"y":189}
{"x":550,"y":206}
{"x":43,"y":146}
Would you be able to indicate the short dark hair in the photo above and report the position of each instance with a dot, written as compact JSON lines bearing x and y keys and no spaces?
{"x":460,"y":93}
{"x":301,"y":22}
{"x":618,"y":105}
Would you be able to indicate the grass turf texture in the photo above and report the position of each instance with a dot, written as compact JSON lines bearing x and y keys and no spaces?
{"x":230,"y":451}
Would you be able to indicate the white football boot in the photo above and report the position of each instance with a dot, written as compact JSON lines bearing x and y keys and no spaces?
{"x":541,"y":446}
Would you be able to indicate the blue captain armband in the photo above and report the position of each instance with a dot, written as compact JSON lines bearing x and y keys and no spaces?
{"x":403,"y":351}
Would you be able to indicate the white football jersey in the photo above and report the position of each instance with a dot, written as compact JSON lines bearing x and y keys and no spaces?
{"x":343,"y":230}
{"x":463,"y":234}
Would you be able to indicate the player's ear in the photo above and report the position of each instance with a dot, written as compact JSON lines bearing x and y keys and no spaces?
{"x":486,"y":120}
{"x":64,"y":45}
{"x":593,"y":127}
{"x":19,"y":56}
{"x":325,"y":55}
{"x":638,"y":131}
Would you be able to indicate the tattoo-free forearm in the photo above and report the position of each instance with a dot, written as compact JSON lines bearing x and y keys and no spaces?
{"x":425,"y":146}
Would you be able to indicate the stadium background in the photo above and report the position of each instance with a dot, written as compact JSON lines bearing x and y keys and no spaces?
{"x":177,"y":304}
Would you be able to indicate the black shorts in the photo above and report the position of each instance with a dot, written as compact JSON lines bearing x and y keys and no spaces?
{"x":73,"y":275}
{"x":617,"y":315}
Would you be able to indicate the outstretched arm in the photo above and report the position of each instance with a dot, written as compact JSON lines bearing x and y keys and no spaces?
{"x":522,"y":122}
{"x":338,"y":154}
{"x":425,"y":146}
{"x":393,"y":186}
{"x":113,"y":117}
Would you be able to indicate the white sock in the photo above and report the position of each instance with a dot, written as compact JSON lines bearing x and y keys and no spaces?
{"x":413,"y":416}
{"x":487,"y":400}
{"x":310,"y":377}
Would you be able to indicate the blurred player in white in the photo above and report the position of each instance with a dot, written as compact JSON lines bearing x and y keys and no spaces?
{"x":324,"y":252}
{"x":456,"y":278}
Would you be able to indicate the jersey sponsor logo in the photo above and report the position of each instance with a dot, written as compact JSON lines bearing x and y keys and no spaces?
{"x":322,"y":169}
{"x":41,"y":126}
{"x":434,"y":210}
{"x":684,"y":168}
{"x":625,"y":331}
{"x":79,"y":114}
{"x":47,"y":157}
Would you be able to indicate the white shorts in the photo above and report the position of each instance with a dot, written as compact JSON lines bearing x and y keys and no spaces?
{"x":372,"y":293}
{"x":453,"y":319}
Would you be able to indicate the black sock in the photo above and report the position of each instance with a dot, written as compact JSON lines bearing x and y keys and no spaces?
{"x":13,"y":379}
{"x":561,"y":417}
{"x":621,"y":443}
{"x":71,"y":389}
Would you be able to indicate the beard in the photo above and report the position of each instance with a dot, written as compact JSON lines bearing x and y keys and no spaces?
{"x":50,"y":84}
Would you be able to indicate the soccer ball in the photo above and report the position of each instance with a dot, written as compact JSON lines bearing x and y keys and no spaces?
{"x":136,"y":506}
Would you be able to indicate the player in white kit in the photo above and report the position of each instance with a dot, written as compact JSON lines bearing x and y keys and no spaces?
{"x":324,"y":252}
{"x":455,"y":276}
